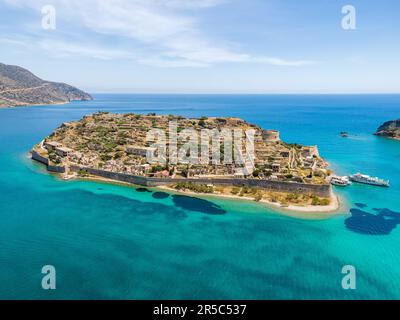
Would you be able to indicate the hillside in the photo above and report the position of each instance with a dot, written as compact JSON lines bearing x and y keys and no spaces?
{"x":20,"y":87}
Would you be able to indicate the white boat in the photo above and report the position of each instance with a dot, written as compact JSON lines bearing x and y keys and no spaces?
{"x":363,"y":178}
{"x":340,"y":181}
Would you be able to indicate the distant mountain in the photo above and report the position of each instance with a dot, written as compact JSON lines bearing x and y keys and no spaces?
{"x":20,"y":87}
{"x":390,"y":129}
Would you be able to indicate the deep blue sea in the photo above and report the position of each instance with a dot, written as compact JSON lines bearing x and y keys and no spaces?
{"x":114,"y":242}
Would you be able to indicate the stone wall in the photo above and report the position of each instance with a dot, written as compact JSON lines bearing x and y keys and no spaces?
{"x":52,"y":168}
{"x":37,"y":157}
{"x":278,"y":186}
{"x":56,"y":169}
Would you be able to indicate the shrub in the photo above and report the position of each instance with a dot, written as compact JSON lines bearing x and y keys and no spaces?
{"x":118,"y":155}
{"x":292,"y":197}
{"x":200,"y":188}
{"x":82,"y":173}
{"x":320,"y":201}
{"x":235,"y":190}
{"x":256,"y":173}
{"x":202,"y":123}
{"x":185,"y":172}
{"x":105,"y":157}
{"x":157,"y":168}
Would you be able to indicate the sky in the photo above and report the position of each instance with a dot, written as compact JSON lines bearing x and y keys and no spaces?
{"x":206,"y":46}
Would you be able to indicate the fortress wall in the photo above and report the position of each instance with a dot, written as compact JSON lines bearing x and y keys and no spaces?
{"x":56,"y":169}
{"x":52,"y":168}
{"x":278,"y":186}
{"x":37,"y":157}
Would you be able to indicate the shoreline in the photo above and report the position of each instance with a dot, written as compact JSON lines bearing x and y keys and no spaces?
{"x":332,"y":208}
{"x":35,"y":105}
{"x":41,"y":104}
{"x":306,"y":211}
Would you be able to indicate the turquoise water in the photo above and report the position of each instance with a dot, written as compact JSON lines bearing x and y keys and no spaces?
{"x":113,"y":242}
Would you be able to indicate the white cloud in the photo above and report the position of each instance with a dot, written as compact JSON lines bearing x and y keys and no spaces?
{"x":12,"y":41}
{"x":72,"y":49}
{"x":283,"y":62}
{"x":158,"y":32}
{"x":192,"y":4}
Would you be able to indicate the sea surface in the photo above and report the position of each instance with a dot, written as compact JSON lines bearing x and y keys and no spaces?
{"x":114,"y":242}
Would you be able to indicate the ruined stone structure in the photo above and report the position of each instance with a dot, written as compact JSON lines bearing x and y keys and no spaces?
{"x":323,"y":190}
{"x":271,"y":136}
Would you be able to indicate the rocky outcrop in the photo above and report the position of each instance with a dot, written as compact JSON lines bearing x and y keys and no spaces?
{"x":390,"y":129}
{"x":20,"y":87}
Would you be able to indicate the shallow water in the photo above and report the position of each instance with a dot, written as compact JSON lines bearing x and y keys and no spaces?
{"x":109,"y":241}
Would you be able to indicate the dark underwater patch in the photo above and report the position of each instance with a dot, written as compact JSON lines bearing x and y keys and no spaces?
{"x":364,"y":222}
{"x":142,"y":190}
{"x":360,"y":205}
{"x":160,"y":195}
{"x":116,"y":206}
{"x":197,"y":205}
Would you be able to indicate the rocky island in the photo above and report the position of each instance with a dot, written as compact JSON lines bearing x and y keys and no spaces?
{"x":390,"y":129}
{"x":116,"y":147}
{"x":20,"y":87}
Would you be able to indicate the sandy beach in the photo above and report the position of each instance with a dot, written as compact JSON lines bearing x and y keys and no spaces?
{"x":332,"y":208}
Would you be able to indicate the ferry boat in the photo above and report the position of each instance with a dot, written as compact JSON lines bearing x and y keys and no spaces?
{"x":363,"y":178}
{"x":340,"y":181}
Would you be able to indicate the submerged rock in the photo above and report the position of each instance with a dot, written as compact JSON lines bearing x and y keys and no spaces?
{"x":197,"y":205}
{"x":160,"y":195}
{"x":142,"y":190}
{"x":364,"y":222}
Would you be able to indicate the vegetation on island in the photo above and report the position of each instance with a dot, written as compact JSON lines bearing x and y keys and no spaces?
{"x":118,"y":143}
{"x":257,"y":194}
{"x":199,"y":188}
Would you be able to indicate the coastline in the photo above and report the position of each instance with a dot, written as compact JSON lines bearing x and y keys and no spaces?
{"x":40,"y":104}
{"x":306,"y":211}
{"x":389,"y":138}
{"x":332,"y":208}
{"x":35,"y":105}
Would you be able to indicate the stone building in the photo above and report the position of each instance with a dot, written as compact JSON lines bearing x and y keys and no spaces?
{"x":271,"y":136}
{"x":140,"y":151}
{"x":51,"y":145}
{"x":63,"y":152}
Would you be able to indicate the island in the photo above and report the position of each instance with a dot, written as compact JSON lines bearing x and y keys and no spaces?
{"x":20,"y":87}
{"x":390,"y":129}
{"x":115,"y":147}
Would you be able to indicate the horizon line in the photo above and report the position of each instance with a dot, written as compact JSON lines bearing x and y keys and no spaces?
{"x":252,"y":93}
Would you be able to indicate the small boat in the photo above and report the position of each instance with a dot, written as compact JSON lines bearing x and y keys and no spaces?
{"x":366,"y":179}
{"x":340,"y":181}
